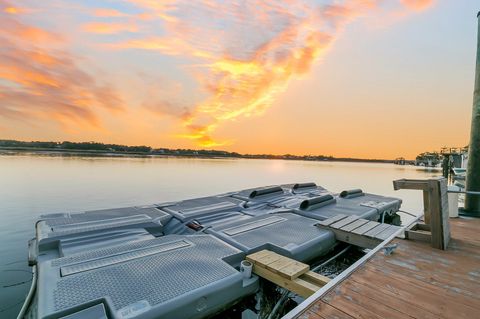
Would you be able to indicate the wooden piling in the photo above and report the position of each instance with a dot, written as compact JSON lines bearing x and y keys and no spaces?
{"x":472,"y":202}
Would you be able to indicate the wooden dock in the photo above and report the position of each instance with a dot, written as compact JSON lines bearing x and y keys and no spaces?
{"x":416,"y":281}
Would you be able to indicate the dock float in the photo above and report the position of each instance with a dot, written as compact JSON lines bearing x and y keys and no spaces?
{"x":184,"y":259}
{"x":415,"y":281}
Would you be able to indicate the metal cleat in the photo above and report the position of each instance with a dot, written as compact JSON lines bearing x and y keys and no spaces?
{"x":388,"y":250}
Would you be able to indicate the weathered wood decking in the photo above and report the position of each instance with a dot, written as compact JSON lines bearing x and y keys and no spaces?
{"x":357,"y":231}
{"x":416,"y":281}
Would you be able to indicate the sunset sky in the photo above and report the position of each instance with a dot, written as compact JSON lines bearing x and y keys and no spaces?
{"x":356,"y":78}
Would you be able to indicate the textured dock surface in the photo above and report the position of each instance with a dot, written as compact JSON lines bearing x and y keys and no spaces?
{"x":416,"y":281}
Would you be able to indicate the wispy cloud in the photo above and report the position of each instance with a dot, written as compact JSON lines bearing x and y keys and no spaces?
{"x":109,"y":27}
{"x":418,"y":5}
{"x":241,"y":54}
{"x":109,"y":13}
{"x":246,"y":52}
{"x":39,"y":79}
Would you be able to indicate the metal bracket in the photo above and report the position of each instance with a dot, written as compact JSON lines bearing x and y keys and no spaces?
{"x":389,"y":249}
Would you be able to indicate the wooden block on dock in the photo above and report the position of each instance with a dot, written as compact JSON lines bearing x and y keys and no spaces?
{"x":298,"y":286}
{"x":281,"y":265}
{"x":286,"y":272}
{"x":258,"y":255}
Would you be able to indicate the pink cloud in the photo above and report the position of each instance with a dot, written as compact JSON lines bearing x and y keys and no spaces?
{"x":417,"y":5}
{"x":109,"y":27}
{"x":38,"y":80}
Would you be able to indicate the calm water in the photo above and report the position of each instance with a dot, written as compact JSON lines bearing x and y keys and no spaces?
{"x":32,"y":185}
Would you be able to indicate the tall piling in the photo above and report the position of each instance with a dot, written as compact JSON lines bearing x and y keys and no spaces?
{"x":472,"y":202}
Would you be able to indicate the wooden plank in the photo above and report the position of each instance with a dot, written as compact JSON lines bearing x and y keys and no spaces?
{"x":435,"y":224}
{"x":355,"y":224}
{"x":377,"y":230}
{"x":325,"y":311}
{"x":307,"y":285}
{"x":355,"y":239}
{"x":421,"y":226}
{"x":387,"y":232}
{"x":258,"y":255}
{"x":435,"y":214}
{"x":331,"y":220}
{"x":310,"y":315}
{"x":293,"y":270}
{"x":445,"y":213}
{"x":416,"y":281}
{"x":426,"y":207}
{"x":364,"y":235}
{"x":360,"y":305}
{"x":418,"y":235}
{"x":297,"y":286}
{"x":270,"y":258}
{"x":363,"y":229}
{"x":344,"y":222}
{"x":315,"y":278}
{"x":287,"y":273}
{"x":448,"y":286}
{"x":285,"y":267}
{"x":453,"y":272}
{"x":410,"y":184}
{"x":451,"y":287}
{"x":421,"y":296}
{"x":405,"y":307}
{"x":279,"y":264}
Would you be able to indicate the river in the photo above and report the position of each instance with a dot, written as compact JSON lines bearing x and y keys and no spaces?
{"x":31,"y":185}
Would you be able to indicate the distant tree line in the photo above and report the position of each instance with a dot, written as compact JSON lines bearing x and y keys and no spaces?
{"x":147,"y":150}
{"x":90,"y":146}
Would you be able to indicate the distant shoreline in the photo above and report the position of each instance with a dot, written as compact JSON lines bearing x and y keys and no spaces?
{"x":103,"y":153}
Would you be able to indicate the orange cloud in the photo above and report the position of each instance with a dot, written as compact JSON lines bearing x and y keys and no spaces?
{"x":109,"y":28}
{"x":170,"y":46}
{"x":11,"y":10}
{"x":249,"y":53}
{"x":248,"y":85}
{"x":37,"y":81}
{"x":108,"y":13}
{"x":241,"y":56}
{"x":417,"y":5}
{"x":21,"y":75}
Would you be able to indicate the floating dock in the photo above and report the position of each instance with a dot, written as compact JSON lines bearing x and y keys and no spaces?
{"x":182,"y":259}
{"x":415,"y":281}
